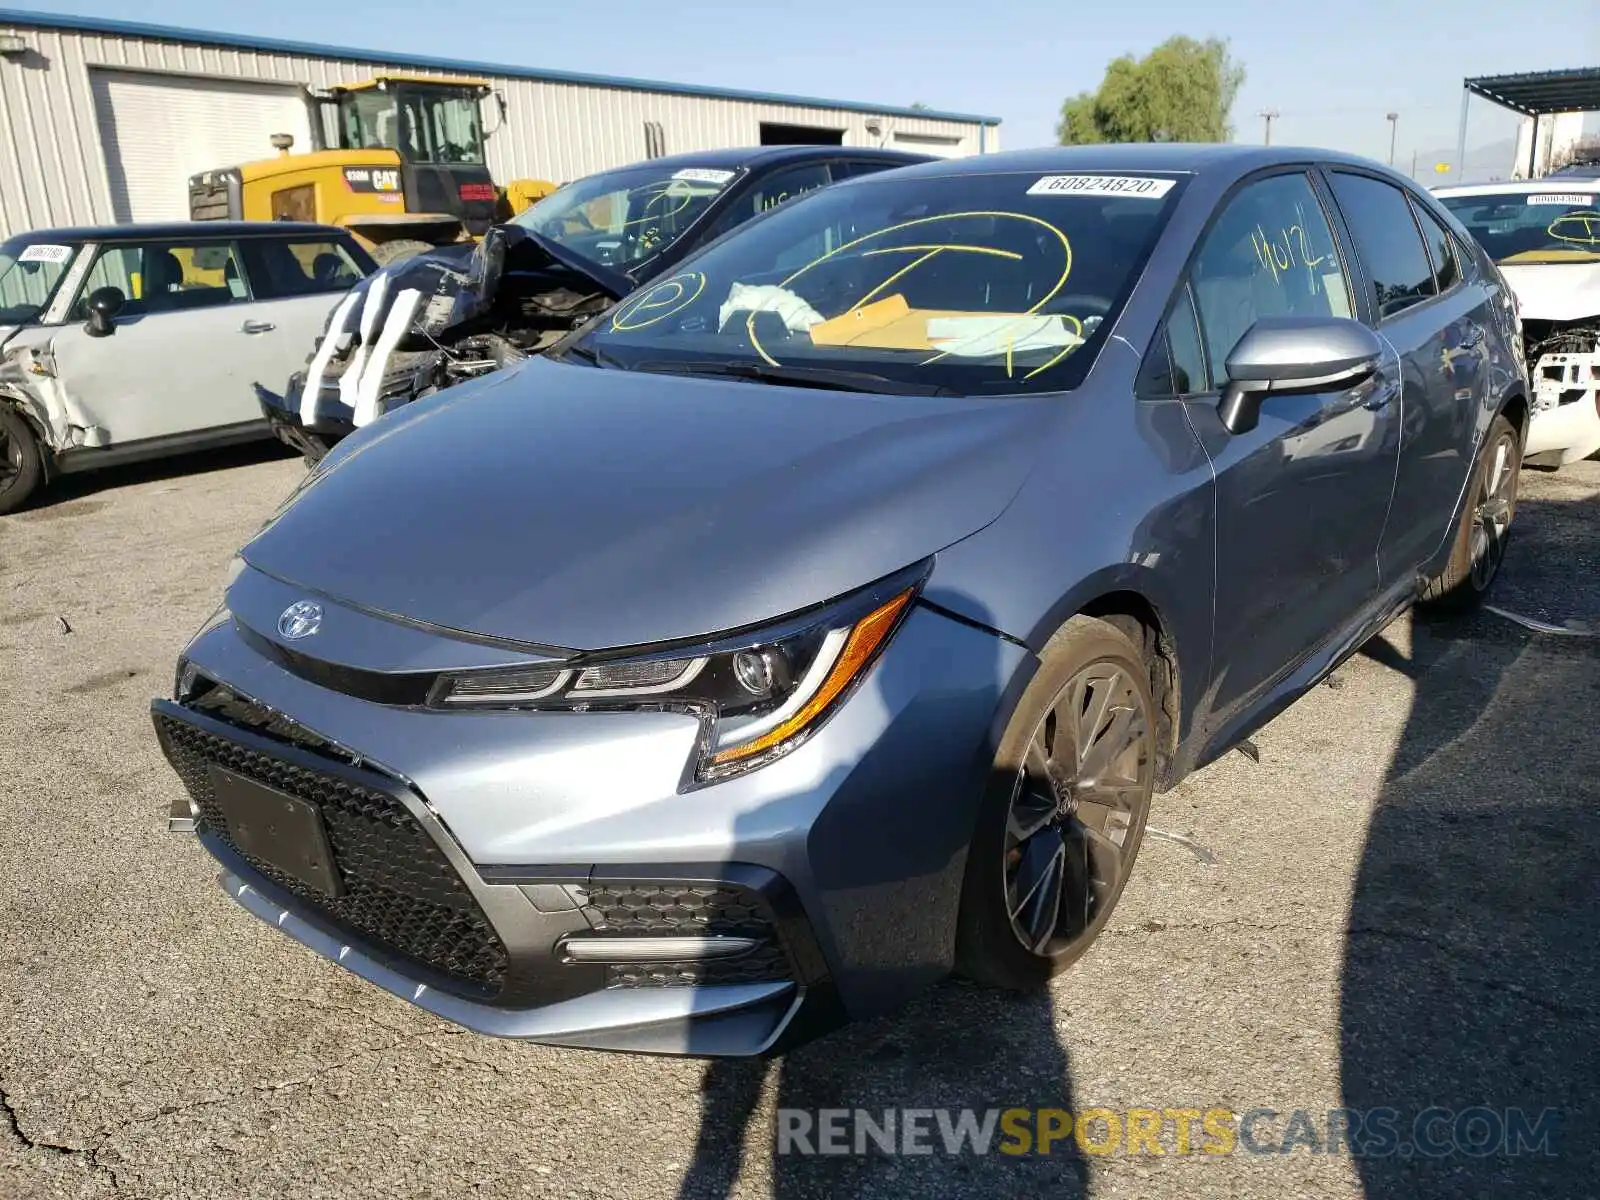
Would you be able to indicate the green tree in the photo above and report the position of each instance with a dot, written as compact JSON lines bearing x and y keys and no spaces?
{"x":1182,"y":91}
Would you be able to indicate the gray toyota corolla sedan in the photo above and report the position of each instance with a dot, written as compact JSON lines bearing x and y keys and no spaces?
{"x":821,"y":618}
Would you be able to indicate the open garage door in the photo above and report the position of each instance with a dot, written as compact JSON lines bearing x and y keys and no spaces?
{"x":157,"y":130}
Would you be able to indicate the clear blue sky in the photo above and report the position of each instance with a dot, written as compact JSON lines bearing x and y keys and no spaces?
{"x":1331,"y":74}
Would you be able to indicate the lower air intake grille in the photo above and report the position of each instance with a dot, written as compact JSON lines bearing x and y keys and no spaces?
{"x":401,"y":893}
{"x":673,"y":909}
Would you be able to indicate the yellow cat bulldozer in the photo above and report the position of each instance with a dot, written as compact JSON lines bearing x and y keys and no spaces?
{"x":398,"y":160}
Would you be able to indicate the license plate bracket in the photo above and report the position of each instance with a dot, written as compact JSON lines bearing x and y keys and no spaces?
{"x":276,"y":828}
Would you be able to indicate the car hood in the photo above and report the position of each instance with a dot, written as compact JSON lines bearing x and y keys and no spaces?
{"x":564,"y":506}
{"x":1564,"y":291}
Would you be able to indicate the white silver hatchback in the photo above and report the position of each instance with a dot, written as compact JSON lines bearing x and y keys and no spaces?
{"x":137,"y":341}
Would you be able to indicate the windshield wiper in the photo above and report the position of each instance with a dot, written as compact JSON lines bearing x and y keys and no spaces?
{"x":828,"y":378}
{"x":595,"y":358}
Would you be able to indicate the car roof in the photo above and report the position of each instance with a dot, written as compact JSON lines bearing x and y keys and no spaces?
{"x":153,"y":231}
{"x":1222,"y":158}
{"x":1565,"y":183}
{"x":735,"y":157}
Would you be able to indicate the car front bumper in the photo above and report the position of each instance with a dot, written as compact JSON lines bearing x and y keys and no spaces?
{"x":1566,"y":407}
{"x":554,"y":847}
{"x":334,"y":422}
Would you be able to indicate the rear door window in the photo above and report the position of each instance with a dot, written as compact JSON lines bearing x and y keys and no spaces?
{"x":1399,"y":273}
{"x":281,"y":268}
{"x":163,"y":277}
{"x":1441,"y":250}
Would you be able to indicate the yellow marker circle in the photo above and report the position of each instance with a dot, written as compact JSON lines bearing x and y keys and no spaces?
{"x":668,"y":297}
{"x":1066,"y":269}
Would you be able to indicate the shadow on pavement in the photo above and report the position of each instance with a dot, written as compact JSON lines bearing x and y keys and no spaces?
{"x":959,"y":1046}
{"x":1471,"y":991}
{"x":175,"y":467}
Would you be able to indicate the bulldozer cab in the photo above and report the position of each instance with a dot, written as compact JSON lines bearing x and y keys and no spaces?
{"x":435,"y":128}
{"x":429,"y":122}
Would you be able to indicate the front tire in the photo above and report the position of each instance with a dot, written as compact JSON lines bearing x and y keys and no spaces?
{"x":1481,"y":535}
{"x":1064,"y":812}
{"x":21,"y":462}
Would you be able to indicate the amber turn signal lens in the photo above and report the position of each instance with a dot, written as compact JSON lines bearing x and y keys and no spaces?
{"x":868,"y":635}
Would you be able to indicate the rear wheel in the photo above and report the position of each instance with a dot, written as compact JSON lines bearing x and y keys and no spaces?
{"x":1485,"y":526}
{"x":21,"y":464}
{"x":1064,"y":812}
{"x":385,"y":253}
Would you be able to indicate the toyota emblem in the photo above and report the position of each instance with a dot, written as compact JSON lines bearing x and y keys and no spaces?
{"x":300,"y":620}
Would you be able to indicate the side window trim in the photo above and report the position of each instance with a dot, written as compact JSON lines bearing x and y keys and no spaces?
{"x":1184,"y":303}
{"x":66,"y":297}
{"x":236,"y":253}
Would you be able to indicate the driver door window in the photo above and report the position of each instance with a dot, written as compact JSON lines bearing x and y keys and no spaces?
{"x":1270,"y":254}
{"x":165,"y":277}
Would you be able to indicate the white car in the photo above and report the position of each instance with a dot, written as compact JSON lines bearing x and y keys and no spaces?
{"x":1544,"y":235}
{"x":137,"y":341}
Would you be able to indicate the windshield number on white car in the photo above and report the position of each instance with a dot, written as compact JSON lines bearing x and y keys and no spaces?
{"x":1562,"y":198}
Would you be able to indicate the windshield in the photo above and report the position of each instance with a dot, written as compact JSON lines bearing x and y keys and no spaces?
{"x":971,"y":284}
{"x":1529,"y":227}
{"x":621,"y":218}
{"x":29,"y":275}
{"x":427,"y":125}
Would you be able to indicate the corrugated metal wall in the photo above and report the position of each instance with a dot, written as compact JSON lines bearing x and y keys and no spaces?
{"x":53,"y":172}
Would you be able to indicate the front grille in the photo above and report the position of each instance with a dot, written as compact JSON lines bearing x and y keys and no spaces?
{"x":209,"y":202}
{"x":669,"y":908}
{"x":401,"y":893}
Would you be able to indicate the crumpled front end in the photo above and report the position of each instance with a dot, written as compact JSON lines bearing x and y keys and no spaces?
{"x":30,"y":382}
{"x":1564,"y":368}
{"x":430,"y":322}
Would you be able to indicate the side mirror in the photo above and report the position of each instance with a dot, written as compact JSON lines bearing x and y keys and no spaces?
{"x":104,"y":305}
{"x":1294,"y":354}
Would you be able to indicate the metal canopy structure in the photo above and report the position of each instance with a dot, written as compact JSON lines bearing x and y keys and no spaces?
{"x":1533,"y":94}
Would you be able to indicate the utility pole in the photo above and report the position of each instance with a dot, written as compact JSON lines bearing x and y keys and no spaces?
{"x":1394,"y":124}
{"x":1269,"y":115}
{"x":1413,"y":164}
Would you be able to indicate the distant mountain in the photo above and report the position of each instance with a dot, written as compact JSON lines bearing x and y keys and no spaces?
{"x":1485,"y":164}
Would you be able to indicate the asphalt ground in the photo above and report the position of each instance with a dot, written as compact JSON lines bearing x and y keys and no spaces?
{"x":1394,"y":909}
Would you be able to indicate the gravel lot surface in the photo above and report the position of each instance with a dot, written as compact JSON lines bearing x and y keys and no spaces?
{"x":1394,"y":909}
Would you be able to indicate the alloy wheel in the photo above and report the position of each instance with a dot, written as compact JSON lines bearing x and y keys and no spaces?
{"x":1077,"y":809}
{"x":1491,"y":516}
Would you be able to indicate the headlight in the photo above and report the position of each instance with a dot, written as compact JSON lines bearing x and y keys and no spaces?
{"x":758,"y":695}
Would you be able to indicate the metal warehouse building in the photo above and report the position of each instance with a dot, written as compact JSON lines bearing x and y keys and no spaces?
{"x":105,"y":120}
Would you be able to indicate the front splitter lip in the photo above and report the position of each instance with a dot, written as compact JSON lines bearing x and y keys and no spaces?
{"x":710,"y":1021}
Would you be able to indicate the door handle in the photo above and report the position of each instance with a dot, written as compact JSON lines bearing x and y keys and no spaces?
{"x":257,"y":327}
{"x":1385,"y":391}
